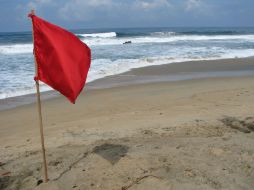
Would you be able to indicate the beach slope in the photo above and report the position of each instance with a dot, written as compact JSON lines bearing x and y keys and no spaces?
{"x":143,"y":134}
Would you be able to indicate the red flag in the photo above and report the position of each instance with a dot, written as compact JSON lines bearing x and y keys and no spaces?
{"x":62,"y":59}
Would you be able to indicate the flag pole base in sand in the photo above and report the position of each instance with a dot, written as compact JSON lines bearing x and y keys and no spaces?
{"x":41,"y":132}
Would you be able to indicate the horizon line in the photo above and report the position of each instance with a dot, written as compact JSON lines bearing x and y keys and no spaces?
{"x":135,"y":27}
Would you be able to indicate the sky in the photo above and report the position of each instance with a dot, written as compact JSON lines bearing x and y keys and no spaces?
{"x":78,"y":14}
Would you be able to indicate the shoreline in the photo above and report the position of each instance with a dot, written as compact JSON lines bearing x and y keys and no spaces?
{"x":170,"y":72}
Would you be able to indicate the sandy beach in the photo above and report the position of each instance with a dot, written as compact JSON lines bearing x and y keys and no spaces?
{"x":171,"y":127}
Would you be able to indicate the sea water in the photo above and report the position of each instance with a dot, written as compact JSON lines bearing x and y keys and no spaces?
{"x":110,"y":56}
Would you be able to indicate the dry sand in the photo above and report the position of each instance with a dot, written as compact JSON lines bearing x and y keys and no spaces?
{"x":169,"y":135}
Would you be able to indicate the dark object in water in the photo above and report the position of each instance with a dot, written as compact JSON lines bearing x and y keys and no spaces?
{"x":127,"y":42}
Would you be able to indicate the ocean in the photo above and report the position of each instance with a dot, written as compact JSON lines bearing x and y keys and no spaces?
{"x":110,"y":56}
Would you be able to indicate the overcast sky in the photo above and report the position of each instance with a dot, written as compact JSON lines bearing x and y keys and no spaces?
{"x":74,"y":14}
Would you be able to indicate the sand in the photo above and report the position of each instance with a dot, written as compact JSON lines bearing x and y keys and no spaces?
{"x":139,"y":132}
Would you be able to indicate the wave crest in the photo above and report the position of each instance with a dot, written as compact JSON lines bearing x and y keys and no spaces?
{"x":16,"y":49}
{"x":99,"y":35}
{"x":163,"y":34}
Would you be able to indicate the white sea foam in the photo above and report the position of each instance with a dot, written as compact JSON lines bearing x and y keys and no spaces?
{"x":99,"y":35}
{"x":28,"y":48}
{"x":16,"y":49}
{"x":166,"y":39}
{"x":238,"y":53}
{"x":24,"y":91}
{"x":105,"y":67}
{"x":162,"y":34}
{"x":214,"y":37}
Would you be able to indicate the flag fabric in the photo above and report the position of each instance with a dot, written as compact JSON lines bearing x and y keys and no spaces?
{"x":62,"y":59}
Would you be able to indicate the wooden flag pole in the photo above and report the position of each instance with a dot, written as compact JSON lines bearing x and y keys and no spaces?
{"x":40,"y":115}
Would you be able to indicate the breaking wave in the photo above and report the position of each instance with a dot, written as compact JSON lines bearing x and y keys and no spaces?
{"x":16,"y":49}
{"x":155,"y":38}
{"x":99,"y":35}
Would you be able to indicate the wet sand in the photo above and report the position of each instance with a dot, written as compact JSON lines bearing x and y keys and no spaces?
{"x":140,"y":130}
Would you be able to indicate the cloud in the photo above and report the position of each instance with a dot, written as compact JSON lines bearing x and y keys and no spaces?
{"x":81,"y":10}
{"x":192,"y":4}
{"x":40,"y":6}
{"x":36,"y":4}
{"x":96,"y":3}
{"x":114,"y":13}
{"x":149,"y":5}
{"x":125,"y":13}
{"x":23,"y":8}
{"x":199,"y":8}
